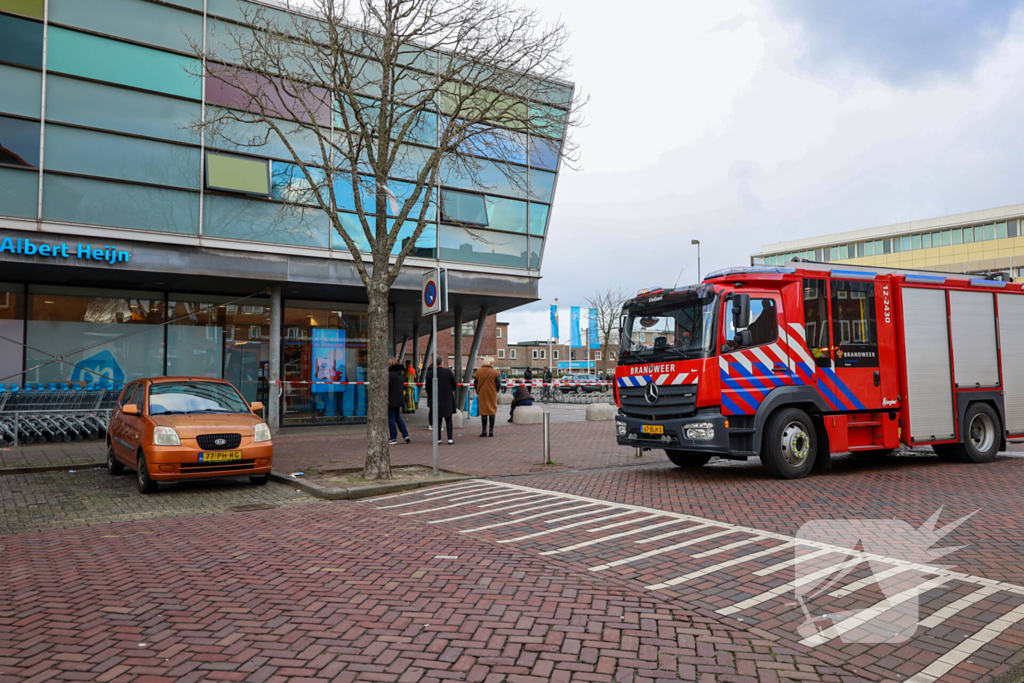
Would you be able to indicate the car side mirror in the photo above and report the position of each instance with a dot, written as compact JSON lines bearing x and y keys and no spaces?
{"x":256,"y":406}
{"x":740,"y":311}
{"x":130,"y":409}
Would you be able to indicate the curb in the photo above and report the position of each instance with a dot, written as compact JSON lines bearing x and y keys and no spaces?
{"x":362,"y":491}
{"x":34,"y":469}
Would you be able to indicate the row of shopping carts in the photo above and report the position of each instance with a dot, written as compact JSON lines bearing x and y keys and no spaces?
{"x":37,"y":412}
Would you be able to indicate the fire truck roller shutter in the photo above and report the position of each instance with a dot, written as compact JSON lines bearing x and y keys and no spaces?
{"x":1011,"y":332}
{"x":930,"y":394}
{"x":972,"y":318}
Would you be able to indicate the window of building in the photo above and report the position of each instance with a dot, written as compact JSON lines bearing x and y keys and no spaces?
{"x":554,"y":353}
{"x":869,"y":248}
{"x":853,"y":324}
{"x":947,"y":238}
{"x":465,"y":208}
{"x":861,"y":251}
{"x":897,"y":245}
{"x":536,"y":354}
{"x":512,"y":354}
{"x":1011,"y":228}
{"x":543,"y":354}
{"x":957,"y":236}
{"x":21,"y":41}
{"x":501,"y":354}
{"x":597,"y":355}
{"x":763,"y":325}
{"x":508,"y":215}
{"x":245,"y":175}
{"x":990,"y":231}
{"x":497,"y":332}
{"x":816,"y":322}
{"x":19,"y":142}
{"x":926,"y":241}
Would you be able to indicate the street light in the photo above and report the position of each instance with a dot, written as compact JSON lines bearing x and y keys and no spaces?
{"x":697,"y":242}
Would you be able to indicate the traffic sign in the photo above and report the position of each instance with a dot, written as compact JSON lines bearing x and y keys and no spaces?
{"x":435,"y":294}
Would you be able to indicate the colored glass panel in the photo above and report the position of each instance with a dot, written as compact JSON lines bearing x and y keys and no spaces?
{"x":29,"y":8}
{"x":542,"y":186}
{"x":105,"y":106}
{"x":20,"y":88}
{"x":539,"y":219}
{"x":926,"y":241}
{"x":102,"y":59}
{"x":915,"y":242}
{"x":490,"y":177}
{"x":535,"y":249}
{"x":402,"y":191}
{"x":21,"y":41}
{"x":506,"y":214}
{"x":968,"y":235}
{"x":544,"y":153}
{"x":947,"y":238}
{"x":87,"y":152}
{"x":263,"y":221}
{"x":1000,"y":230}
{"x":425,"y":246}
{"x":957,"y":236}
{"x":237,"y":174}
{"x":238,"y":89}
{"x":258,"y":137}
{"x":990,"y":231}
{"x":19,"y":142}
{"x":979,"y":233}
{"x":100,"y":202}
{"x":464,"y":208}
{"x":289,"y":183}
{"x":869,"y":248}
{"x":19,"y":193}
{"x":482,"y":246}
{"x":144,"y":22}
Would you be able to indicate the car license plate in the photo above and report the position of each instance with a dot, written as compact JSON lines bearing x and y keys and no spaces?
{"x":220,"y":457}
{"x":652,"y":429}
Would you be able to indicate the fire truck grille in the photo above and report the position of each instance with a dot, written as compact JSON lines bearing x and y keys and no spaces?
{"x":673,"y":402}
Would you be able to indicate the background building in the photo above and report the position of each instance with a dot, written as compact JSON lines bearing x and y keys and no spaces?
{"x":118,"y":216}
{"x":978,"y":241}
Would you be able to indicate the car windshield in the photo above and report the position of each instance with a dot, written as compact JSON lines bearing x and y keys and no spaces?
{"x":675,"y":330}
{"x":186,"y":398}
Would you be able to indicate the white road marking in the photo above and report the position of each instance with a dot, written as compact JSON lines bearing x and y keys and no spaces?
{"x":720,"y":566}
{"x":585,"y":544}
{"x":487,"y":496}
{"x":854,"y":560}
{"x":659,"y":551}
{"x":486,"y":512}
{"x":987,"y":634}
{"x":726,"y":548}
{"x":425,"y":492}
{"x":871,"y":579}
{"x":625,"y":523}
{"x":567,"y":526}
{"x":957,"y":606}
{"x":677,"y":532}
{"x":534,"y":497}
{"x":483,"y":491}
{"x":524,"y":519}
{"x":779,"y":566}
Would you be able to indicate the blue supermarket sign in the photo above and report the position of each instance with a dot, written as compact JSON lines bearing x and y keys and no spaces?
{"x":26,"y":247}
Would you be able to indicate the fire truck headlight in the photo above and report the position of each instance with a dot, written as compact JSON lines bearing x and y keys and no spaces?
{"x":620,"y":427}
{"x":700,"y":431}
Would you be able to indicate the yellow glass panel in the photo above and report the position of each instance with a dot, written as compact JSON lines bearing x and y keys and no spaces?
{"x":28,"y":8}
{"x":237,"y":174}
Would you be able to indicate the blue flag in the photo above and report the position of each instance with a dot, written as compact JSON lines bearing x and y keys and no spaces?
{"x":574,"y":328}
{"x":554,"y":323}
{"x":592,"y":334}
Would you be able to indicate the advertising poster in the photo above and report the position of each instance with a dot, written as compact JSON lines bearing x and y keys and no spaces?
{"x":574,"y":328}
{"x":328,"y":351}
{"x":592,"y":333}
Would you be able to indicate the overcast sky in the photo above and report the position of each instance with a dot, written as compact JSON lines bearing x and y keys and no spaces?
{"x":742,"y":123}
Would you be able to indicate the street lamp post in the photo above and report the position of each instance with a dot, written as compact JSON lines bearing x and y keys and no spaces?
{"x":697,"y":242}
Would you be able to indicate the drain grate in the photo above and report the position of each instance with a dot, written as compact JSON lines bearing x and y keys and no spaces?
{"x":251,"y":507}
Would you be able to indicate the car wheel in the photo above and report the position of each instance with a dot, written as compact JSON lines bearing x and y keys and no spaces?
{"x":114,"y":465}
{"x":579,"y":389}
{"x":686,"y":459}
{"x":790,"y":444}
{"x":260,"y":480}
{"x":982,"y":434}
{"x":146,"y":485}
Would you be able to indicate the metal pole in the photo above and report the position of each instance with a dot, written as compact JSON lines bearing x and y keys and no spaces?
{"x":274,"y":387}
{"x":547,"y":437}
{"x":433,"y":392}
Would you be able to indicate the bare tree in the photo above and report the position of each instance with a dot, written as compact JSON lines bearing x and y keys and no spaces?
{"x":608,"y":303}
{"x":360,"y":93}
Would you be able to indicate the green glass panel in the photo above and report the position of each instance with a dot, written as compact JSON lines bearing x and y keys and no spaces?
{"x":926,"y":241}
{"x":100,"y":202}
{"x":915,"y":242}
{"x":990,"y":231}
{"x":425,"y":247}
{"x":535,"y":249}
{"x":79,"y":54}
{"x":263,"y":221}
{"x":947,"y":238}
{"x":485,"y":176}
{"x":542,"y":186}
{"x":539,"y":219}
{"x":87,"y":152}
{"x":20,"y":88}
{"x":482,"y":246}
{"x":19,"y":193}
{"x":957,"y":236}
{"x":968,"y":235}
{"x":1000,"y":230}
{"x":979,"y":233}
{"x":897,"y":245}
{"x":21,"y":41}
{"x":506,"y":214}
{"x":464,"y":208}
{"x":237,"y":174}
{"x":143,"y":22}
{"x":869,"y":248}
{"x":105,"y":106}
{"x":29,"y":8}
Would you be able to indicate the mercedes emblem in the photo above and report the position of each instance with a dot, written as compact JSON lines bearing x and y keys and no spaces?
{"x":651,"y":392}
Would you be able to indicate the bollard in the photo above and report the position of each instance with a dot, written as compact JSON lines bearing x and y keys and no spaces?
{"x":547,"y":437}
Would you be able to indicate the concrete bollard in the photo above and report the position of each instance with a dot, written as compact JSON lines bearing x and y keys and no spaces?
{"x":528,"y":415}
{"x":600,"y":411}
{"x":505,"y":399}
{"x":457,"y":420}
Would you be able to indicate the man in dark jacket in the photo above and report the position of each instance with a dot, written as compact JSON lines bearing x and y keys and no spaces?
{"x":445,"y":402}
{"x":528,"y":375}
{"x":396,"y":401}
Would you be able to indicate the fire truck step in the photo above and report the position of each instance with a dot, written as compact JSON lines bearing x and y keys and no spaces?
{"x":863,"y":424}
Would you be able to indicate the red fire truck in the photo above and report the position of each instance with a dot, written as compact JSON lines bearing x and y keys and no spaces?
{"x":796,"y":363}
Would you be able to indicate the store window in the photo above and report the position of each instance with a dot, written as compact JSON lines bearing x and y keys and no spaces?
{"x":324,"y":343}
{"x":12,"y":327}
{"x":853,"y":324}
{"x":110,"y":335}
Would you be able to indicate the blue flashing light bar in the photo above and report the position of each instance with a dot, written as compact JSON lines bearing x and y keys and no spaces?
{"x":927,"y":279}
{"x":988,"y":283}
{"x":750,"y":269}
{"x":853,"y":274}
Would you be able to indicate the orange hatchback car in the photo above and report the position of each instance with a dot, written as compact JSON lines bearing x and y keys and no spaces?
{"x":174,"y":428}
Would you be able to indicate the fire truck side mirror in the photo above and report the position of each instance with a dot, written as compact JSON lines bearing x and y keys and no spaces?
{"x":740,"y":311}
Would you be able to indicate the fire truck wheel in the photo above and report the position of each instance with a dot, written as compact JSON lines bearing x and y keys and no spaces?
{"x":981,"y":434}
{"x":790,"y":444}
{"x":686,"y":459}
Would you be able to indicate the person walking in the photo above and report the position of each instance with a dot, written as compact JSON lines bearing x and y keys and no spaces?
{"x":445,"y":401}
{"x":522,"y":397}
{"x":546,"y":391}
{"x":504,"y":379}
{"x":486,"y":382}
{"x":528,"y":375}
{"x":396,"y":400}
{"x":410,"y":387}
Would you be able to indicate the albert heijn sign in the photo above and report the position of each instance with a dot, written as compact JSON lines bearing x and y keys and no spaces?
{"x":24,"y":246}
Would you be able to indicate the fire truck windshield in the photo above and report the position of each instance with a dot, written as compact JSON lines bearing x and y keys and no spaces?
{"x":676,"y":330}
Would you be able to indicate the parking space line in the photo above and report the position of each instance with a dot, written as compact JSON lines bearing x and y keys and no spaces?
{"x":486,"y":512}
{"x":585,"y":544}
{"x":677,"y":532}
{"x":431,"y":491}
{"x":872,"y":578}
{"x":721,"y":565}
{"x":726,"y":548}
{"x":779,"y":566}
{"x":568,"y":526}
{"x":659,"y":551}
{"x":852,"y":561}
{"x":987,"y":634}
{"x":482,"y":490}
{"x":486,"y":496}
{"x":957,"y":606}
{"x":868,"y":613}
{"x":625,"y":523}
{"x":536,"y":495}
{"x":524,"y":519}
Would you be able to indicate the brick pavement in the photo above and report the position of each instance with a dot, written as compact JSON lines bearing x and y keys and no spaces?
{"x":324,"y":592}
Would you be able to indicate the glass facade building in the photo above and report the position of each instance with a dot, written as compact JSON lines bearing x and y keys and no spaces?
{"x":100,"y":149}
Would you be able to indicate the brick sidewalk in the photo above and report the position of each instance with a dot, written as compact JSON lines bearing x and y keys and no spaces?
{"x":324,"y":592}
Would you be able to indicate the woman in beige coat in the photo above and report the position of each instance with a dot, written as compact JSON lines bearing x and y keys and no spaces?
{"x":486,"y":382}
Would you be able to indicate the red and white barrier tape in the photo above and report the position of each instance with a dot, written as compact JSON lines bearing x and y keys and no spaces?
{"x":509,"y":383}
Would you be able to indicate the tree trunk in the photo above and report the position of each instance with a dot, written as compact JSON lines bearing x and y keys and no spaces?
{"x":378,"y":456}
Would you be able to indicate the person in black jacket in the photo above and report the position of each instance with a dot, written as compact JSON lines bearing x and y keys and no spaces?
{"x":528,"y":375}
{"x":396,"y":401}
{"x":445,"y":403}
